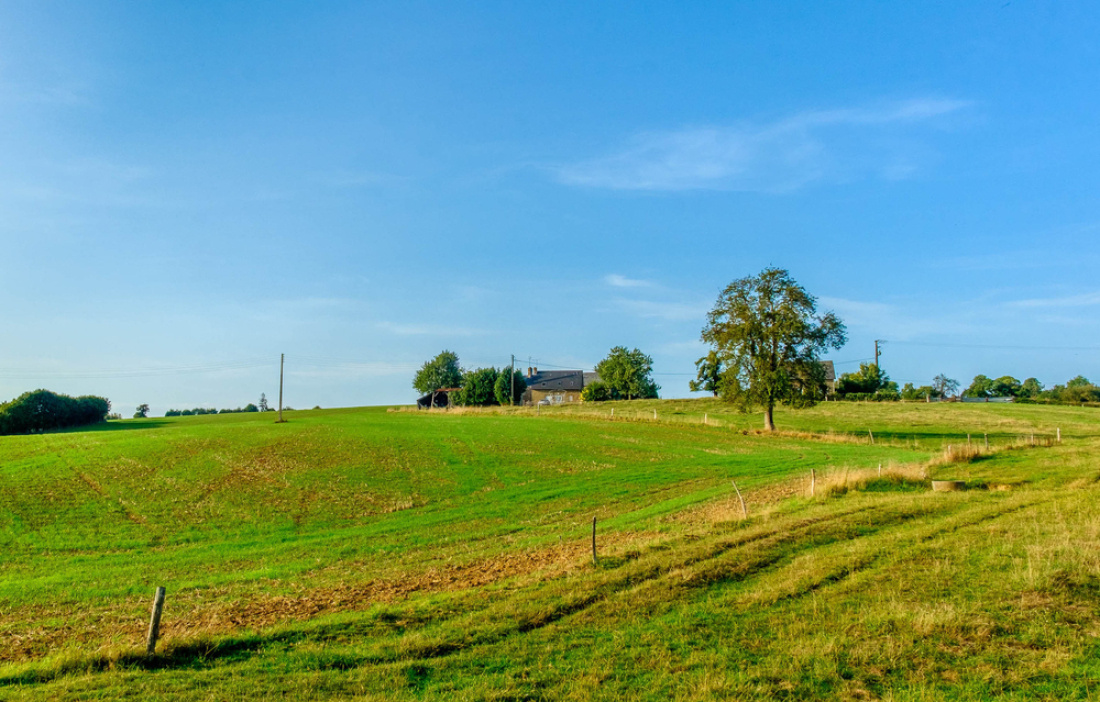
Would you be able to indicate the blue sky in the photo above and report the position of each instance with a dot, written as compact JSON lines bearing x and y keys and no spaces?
{"x":189,"y":189}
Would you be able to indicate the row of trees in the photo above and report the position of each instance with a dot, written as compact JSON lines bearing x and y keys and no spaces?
{"x":870,"y":383}
{"x":42,"y":410}
{"x":1078,"y":390}
{"x":624,"y":375}
{"x":262,"y":407}
{"x":479,"y":387}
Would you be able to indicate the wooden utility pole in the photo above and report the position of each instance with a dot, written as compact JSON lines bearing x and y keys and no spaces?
{"x":512,"y":397}
{"x":877,"y":351}
{"x":282,"y":360}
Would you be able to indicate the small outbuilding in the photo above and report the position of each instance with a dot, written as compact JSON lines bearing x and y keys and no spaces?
{"x":441,"y":398}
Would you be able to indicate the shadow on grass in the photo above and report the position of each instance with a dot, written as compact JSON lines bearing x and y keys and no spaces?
{"x":122,"y":426}
{"x":102,"y":426}
{"x":195,"y":655}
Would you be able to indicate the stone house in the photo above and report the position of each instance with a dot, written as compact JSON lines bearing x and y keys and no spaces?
{"x":556,"y":387}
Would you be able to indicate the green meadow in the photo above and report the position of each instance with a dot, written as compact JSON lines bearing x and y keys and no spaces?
{"x":377,"y":553}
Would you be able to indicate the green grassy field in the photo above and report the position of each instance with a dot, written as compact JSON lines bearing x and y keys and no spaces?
{"x":376,"y":554}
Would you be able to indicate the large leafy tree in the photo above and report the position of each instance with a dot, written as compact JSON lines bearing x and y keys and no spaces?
{"x":708,"y":376}
{"x":981,"y":386}
{"x":944,"y":386}
{"x":628,"y":374}
{"x":505,"y":385}
{"x":769,"y":336}
{"x":1006,"y":386}
{"x":440,"y":372}
{"x":478,"y":387}
{"x":1031,"y":388}
{"x":870,"y":379}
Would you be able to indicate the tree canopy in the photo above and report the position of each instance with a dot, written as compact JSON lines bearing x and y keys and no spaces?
{"x":478,"y":388}
{"x":868,"y":380}
{"x":708,"y":376}
{"x":628,"y":375}
{"x":766,"y":331}
{"x":504,"y":387}
{"x":944,"y":386}
{"x":440,"y":372}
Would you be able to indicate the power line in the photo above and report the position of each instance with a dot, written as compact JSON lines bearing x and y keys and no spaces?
{"x":23,"y":374}
{"x":997,"y":347}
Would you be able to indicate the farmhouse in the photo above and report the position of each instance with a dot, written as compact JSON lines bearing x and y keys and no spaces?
{"x":556,"y":387}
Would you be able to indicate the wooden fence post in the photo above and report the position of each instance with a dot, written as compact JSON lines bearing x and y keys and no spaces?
{"x":154,"y":622}
{"x":595,"y":559}
{"x":813,"y":481}
{"x":872,"y":436}
{"x":987,"y":442}
{"x":1059,"y":435}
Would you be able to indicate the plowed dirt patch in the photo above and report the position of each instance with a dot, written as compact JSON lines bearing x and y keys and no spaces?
{"x":195,"y":613}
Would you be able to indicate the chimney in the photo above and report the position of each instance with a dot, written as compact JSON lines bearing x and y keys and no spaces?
{"x":536,"y":370}
{"x":529,"y":373}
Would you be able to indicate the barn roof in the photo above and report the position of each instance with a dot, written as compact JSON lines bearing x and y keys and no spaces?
{"x":556,"y":380}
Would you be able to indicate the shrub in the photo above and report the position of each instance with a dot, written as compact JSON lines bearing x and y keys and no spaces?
{"x":42,"y":410}
{"x":503,"y":387}
{"x":598,"y":391}
{"x":478,"y":388}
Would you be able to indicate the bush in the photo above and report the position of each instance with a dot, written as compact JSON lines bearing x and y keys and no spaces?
{"x":877,"y":396}
{"x":42,"y":410}
{"x":598,"y":391}
{"x":478,"y":388}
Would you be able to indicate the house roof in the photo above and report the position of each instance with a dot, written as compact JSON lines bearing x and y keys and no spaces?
{"x":556,"y":380}
{"x":830,"y":372}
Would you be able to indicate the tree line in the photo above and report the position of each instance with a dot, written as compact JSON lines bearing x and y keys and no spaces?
{"x":478,"y":387}
{"x":42,"y":410}
{"x":624,"y":375}
{"x":1076,"y":391}
{"x":872,"y":383}
{"x":142,"y":410}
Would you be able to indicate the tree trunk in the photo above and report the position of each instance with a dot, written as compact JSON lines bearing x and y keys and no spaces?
{"x":769,"y":425}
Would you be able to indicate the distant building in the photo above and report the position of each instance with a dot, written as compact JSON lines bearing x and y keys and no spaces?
{"x":830,"y":377}
{"x":556,"y":387}
{"x":439,"y":398}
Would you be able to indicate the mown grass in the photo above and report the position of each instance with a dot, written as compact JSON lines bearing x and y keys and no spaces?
{"x":401,"y":555}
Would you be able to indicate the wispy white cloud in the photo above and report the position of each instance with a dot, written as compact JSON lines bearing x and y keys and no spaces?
{"x":621,"y":281}
{"x":780,"y":156}
{"x":1083,"y":300}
